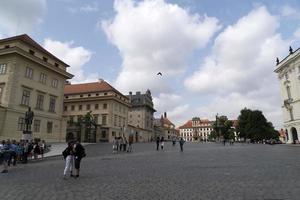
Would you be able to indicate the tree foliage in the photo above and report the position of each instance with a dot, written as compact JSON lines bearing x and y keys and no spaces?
{"x":223,"y":128}
{"x":253,"y":125}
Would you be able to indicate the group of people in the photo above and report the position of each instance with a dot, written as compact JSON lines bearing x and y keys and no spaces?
{"x":73,"y":155}
{"x":161,"y":142}
{"x":12,"y":152}
{"x":120,"y":144}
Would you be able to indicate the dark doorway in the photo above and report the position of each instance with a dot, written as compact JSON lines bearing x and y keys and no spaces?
{"x":294,"y":135}
{"x":136,"y":136}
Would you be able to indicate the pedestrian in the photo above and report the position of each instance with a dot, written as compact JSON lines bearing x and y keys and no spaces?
{"x":68,"y":155}
{"x":181,"y":142}
{"x":4,"y":156}
{"x":174,"y":140}
{"x":36,"y":150}
{"x":224,"y":142}
{"x":79,"y":153}
{"x":124,"y":143}
{"x":120,"y":143}
{"x":157,"y":143}
{"x":115,"y":145}
{"x":162,"y":143}
{"x":43,"y":147}
{"x":130,"y":141}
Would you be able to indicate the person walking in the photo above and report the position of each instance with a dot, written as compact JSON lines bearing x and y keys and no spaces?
{"x":181,"y":142}
{"x":130,"y":141}
{"x":4,"y":156}
{"x":79,"y":153}
{"x":157,"y":143}
{"x":115,"y":146}
{"x":162,"y":143}
{"x":174,"y":140}
{"x":68,"y":155}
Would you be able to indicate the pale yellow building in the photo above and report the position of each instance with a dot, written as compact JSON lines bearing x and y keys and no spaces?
{"x":196,"y":129}
{"x":109,"y":109}
{"x":288,"y":71}
{"x":30,"y":76}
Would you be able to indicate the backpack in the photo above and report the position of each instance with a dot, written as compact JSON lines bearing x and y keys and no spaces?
{"x":65,"y":153}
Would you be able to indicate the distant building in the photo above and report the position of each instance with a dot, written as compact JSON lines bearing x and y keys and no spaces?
{"x":196,"y":129}
{"x":168,"y":128}
{"x":288,"y":71}
{"x":30,"y":76}
{"x":140,"y":116}
{"x":109,"y":109}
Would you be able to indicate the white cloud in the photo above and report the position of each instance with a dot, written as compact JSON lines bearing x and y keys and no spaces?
{"x":290,"y":12}
{"x":241,"y":64}
{"x":76,"y":57}
{"x":297,"y":33}
{"x":93,"y":7}
{"x":155,"y":36}
{"x":17,"y":17}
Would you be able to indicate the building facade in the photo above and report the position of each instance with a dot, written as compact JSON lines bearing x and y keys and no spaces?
{"x":196,"y":129}
{"x":168,"y":128}
{"x":30,"y":76}
{"x":107,"y":105}
{"x":141,"y":116}
{"x":288,"y":71}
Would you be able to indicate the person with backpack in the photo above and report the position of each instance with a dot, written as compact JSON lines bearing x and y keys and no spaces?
{"x":181,"y":142}
{"x":79,"y":153}
{"x":68,"y":155}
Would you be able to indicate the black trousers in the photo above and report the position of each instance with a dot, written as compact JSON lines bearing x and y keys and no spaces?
{"x":77,"y":162}
{"x":157,"y":146}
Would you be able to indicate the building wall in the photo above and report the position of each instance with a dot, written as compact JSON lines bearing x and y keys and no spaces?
{"x":116,"y":112}
{"x":14,"y":83}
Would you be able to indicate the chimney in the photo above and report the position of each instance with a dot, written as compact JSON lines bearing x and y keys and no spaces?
{"x":165,"y":114}
{"x":100,"y":80}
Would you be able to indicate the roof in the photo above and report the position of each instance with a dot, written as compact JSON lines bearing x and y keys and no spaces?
{"x":167,"y":121}
{"x":28,"y":40}
{"x":188,"y":124}
{"x":100,"y":86}
{"x":281,"y":64}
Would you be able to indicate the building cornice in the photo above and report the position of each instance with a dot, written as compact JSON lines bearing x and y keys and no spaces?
{"x":21,"y":52}
{"x":97,"y":98}
{"x":287,"y":60}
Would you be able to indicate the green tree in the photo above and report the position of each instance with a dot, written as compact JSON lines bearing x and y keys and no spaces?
{"x":253,"y":125}
{"x":223,"y":128}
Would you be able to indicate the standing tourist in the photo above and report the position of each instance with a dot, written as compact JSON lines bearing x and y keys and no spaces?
{"x":130,"y":141}
{"x":162,"y":143}
{"x":4,"y":156}
{"x":68,"y":155}
{"x":157,"y":143}
{"x":79,"y":153}
{"x":115,"y":145}
{"x":181,"y":142}
{"x":174,"y":140}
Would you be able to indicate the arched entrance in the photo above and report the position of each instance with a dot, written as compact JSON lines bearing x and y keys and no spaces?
{"x":294,"y":135}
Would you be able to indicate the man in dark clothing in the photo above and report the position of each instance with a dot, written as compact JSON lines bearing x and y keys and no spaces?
{"x":79,"y":153}
{"x":157,"y":143}
{"x":181,"y":142}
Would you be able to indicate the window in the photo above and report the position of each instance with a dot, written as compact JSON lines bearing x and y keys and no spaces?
{"x":45,"y":59}
{"x":80,"y":107}
{"x":36,"y":125}
{"x":56,"y":65}
{"x":43,"y":78}
{"x":1,"y":92}
{"x":2,"y":68}
{"x":66,"y":108}
{"x":105,"y":93}
{"x":96,"y":118}
{"x":71,"y":119}
{"x":21,"y":124}
{"x":6,"y":46}
{"x":31,"y":52}
{"x":29,"y":73}
{"x":97,"y":94}
{"x":81,"y":95}
{"x":105,"y":106}
{"x":54,"y":83}
{"x":72,"y":107}
{"x":88,"y":106}
{"x":52,"y":104}
{"x":115,"y":120}
{"x":104,"y":119}
{"x":25,"y":97}
{"x":96,"y":106}
{"x":40,"y":101}
{"x":49,"y":127}
{"x":89,"y":95}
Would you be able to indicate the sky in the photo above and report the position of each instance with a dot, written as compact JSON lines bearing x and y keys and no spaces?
{"x":214,"y":56}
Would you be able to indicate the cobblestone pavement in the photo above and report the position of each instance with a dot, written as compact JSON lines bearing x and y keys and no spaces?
{"x":202,"y":171}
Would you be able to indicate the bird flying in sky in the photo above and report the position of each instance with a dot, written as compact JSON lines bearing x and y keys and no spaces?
{"x":159,"y":73}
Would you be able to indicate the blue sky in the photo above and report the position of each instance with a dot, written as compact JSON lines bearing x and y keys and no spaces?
{"x":215,"y":56}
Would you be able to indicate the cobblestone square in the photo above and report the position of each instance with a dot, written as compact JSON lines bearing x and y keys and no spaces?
{"x":202,"y":171}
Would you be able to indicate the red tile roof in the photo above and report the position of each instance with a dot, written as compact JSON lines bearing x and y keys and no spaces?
{"x":188,"y":124}
{"x":100,"y":86}
{"x":167,"y":121}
